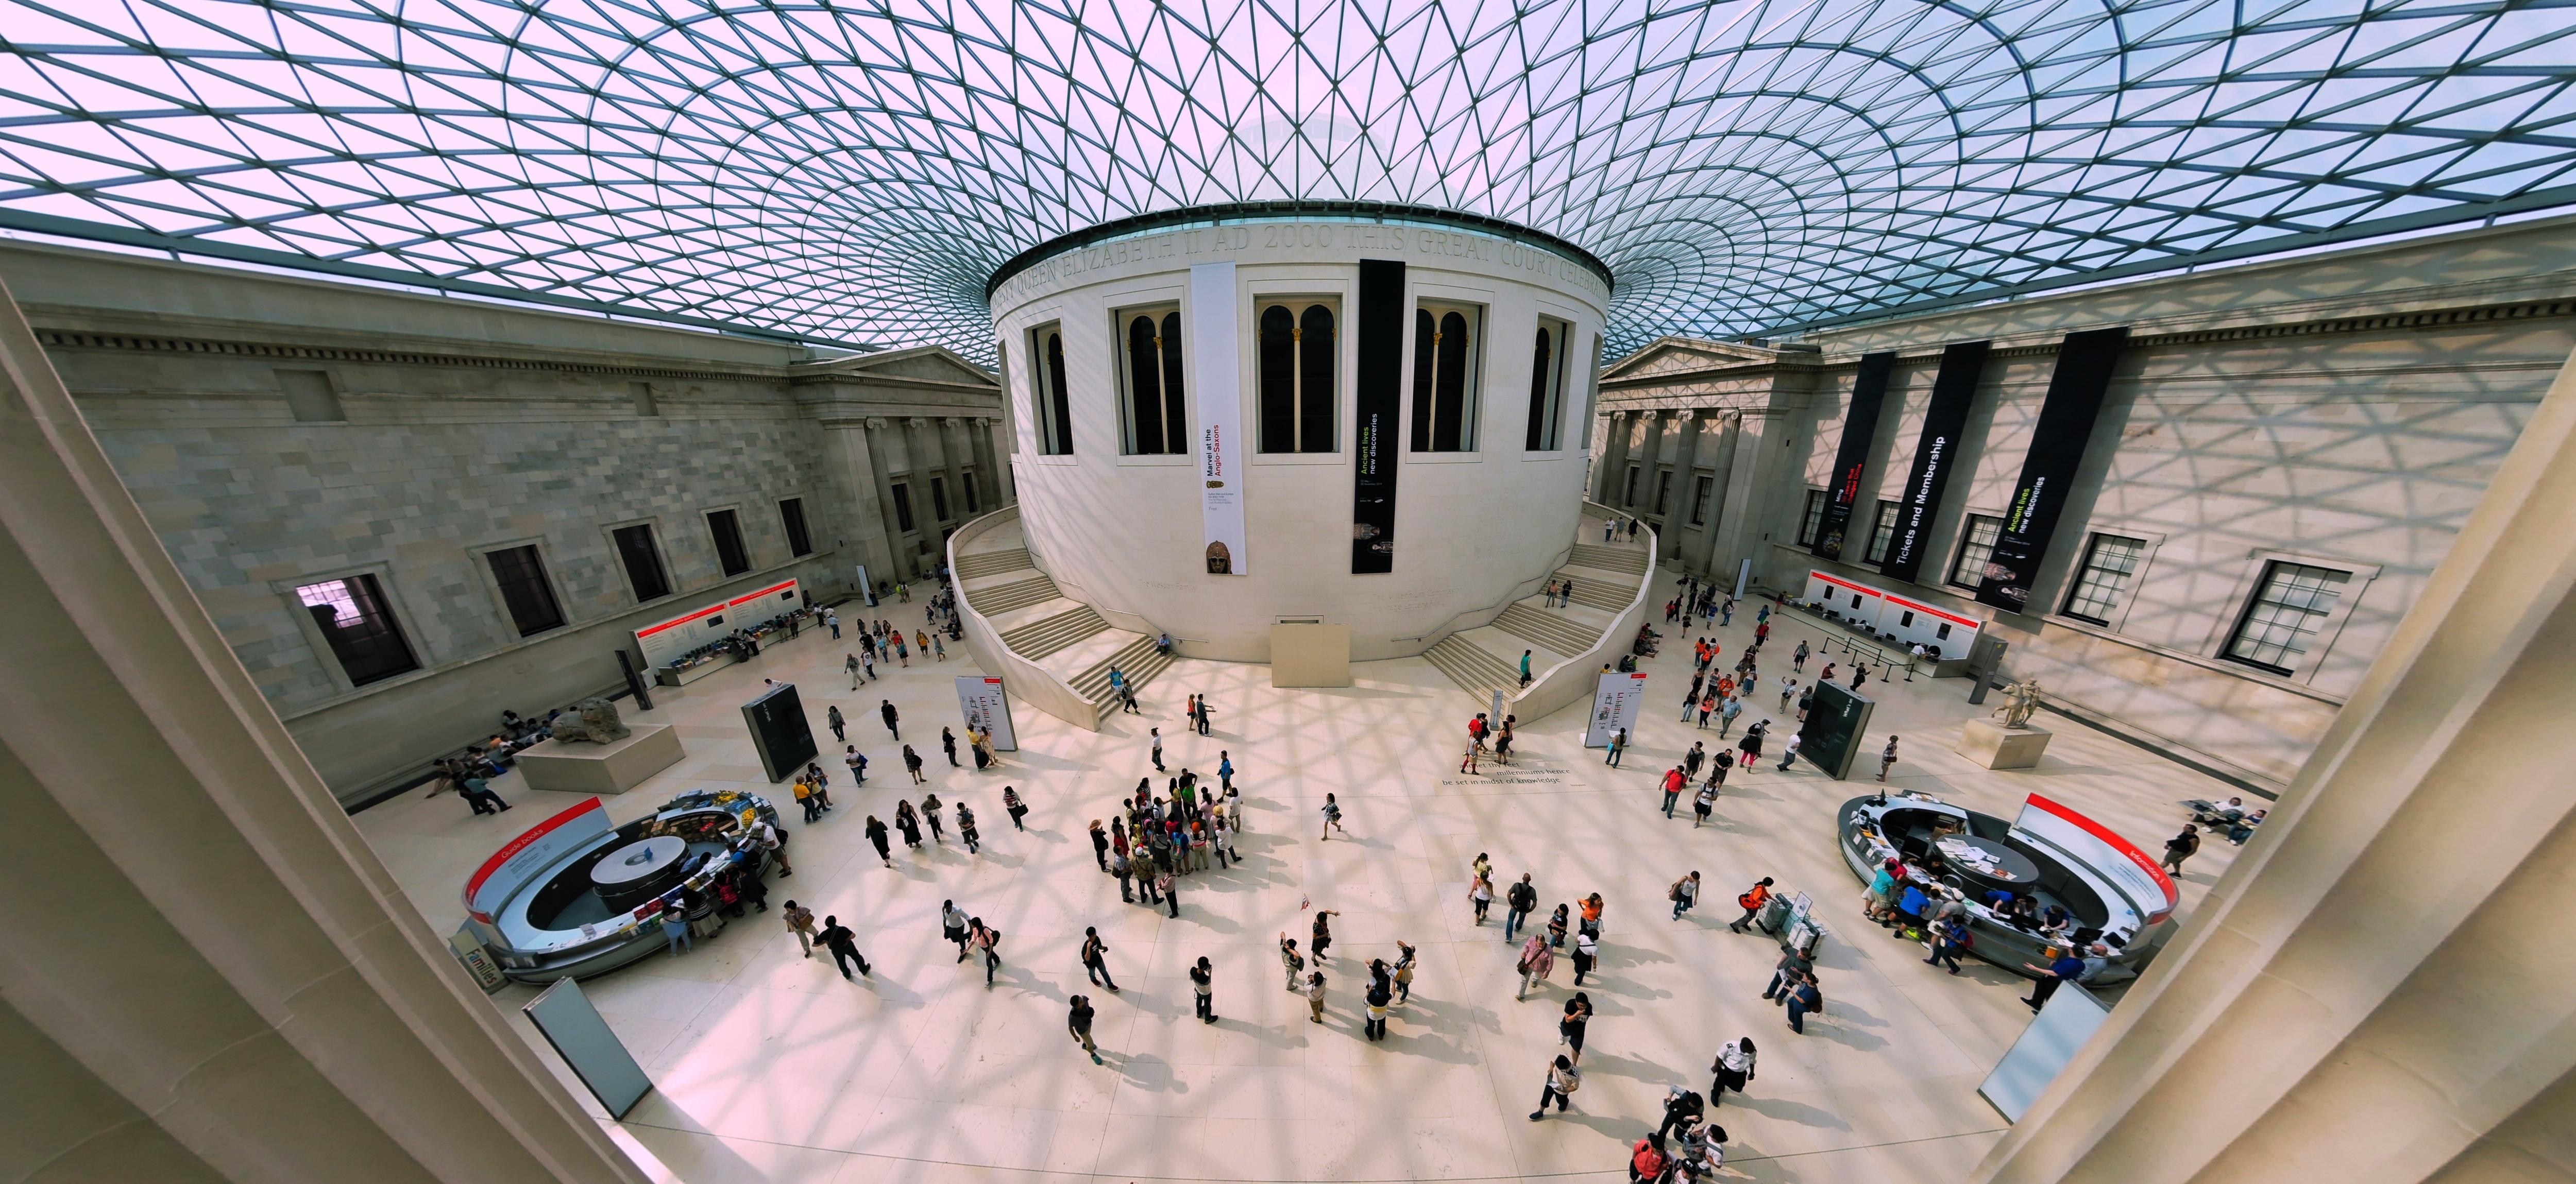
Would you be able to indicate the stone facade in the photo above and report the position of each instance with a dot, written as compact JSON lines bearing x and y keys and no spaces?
{"x":2342,"y":410}
{"x":468,"y":428}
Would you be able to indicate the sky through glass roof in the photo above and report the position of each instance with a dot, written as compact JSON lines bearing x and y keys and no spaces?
{"x":855,"y":171}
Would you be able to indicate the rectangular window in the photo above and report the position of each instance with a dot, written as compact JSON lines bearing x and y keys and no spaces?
{"x":521,"y":575}
{"x":1663,"y":489}
{"x":359,"y":627}
{"x":1976,"y":546}
{"x":2110,"y":563}
{"x":642,"y":394}
{"x":1548,"y":367}
{"x":1883,"y":533}
{"x":1153,"y":411}
{"x":1814,"y":519}
{"x":902,"y":506}
{"x":1298,"y":365}
{"x":1700,"y":491}
{"x":1445,"y":376}
{"x":974,"y":504}
{"x":938,"y":500}
{"x":791,"y":517}
{"x":1050,"y":405}
{"x":309,"y":396}
{"x":2283,"y":618}
{"x":728,"y":535}
{"x":643,"y":562}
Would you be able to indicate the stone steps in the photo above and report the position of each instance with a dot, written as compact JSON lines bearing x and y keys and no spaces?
{"x":1471,"y":666}
{"x":1039,"y":638}
{"x":1625,"y":560}
{"x":1005,"y":597}
{"x":993,"y":563}
{"x":1599,"y":591}
{"x":1546,"y":630}
{"x":1137,"y":660}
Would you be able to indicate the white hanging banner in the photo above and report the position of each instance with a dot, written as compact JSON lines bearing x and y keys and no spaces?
{"x":980,"y":700}
{"x":1614,"y":707}
{"x":1215,"y":371}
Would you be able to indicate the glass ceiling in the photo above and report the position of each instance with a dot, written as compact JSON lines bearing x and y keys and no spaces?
{"x":855,"y":170}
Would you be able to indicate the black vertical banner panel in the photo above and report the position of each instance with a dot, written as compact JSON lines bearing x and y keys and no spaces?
{"x":2075,"y":389}
{"x":1378,"y":331}
{"x":1869,"y":391}
{"x":1963,"y":363}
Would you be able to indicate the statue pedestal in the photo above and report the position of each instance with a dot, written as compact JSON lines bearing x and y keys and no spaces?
{"x":610,"y":768}
{"x":1997,"y":747}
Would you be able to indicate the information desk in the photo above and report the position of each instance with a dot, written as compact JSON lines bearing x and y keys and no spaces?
{"x":1984,"y":859}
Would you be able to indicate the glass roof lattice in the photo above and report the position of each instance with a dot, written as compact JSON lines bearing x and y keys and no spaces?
{"x":855,"y":171}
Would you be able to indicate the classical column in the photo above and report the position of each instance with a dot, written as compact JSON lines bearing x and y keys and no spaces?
{"x":205,"y":973}
{"x":1614,"y":457}
{"x":886,"y":446}
{"x":854,"y":471}
{"x":928,"y":460}
{"x":1721,"y":464}
{"x":2379,"y":987}
{"x":1676,"y":513}
{"x":988,"y":474}
{"x":958,"y":451}
{"x":1650,"y":453}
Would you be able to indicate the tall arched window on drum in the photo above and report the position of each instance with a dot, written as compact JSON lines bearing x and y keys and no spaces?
{"x":1547,"y":387}
{"x":1445,"y":377}
{"x":1152,"y":401}
{"x":1297,"y":376}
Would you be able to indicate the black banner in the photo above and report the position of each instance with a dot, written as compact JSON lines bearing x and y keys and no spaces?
{"x":2057,"y":441}
{"x":1379,"y":394}
{"x":1869,"y":390}
{"x":1962,"y":364}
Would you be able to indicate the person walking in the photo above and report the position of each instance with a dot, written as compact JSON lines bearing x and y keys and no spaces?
{"x":844,"y":945}
{"x":840,"y":727}
{"x":1798,"y":658}
{"x":1705,"y":802}
{"x":1467,"y":760}
{"x":1684,"y":893}
{"x":930,"y":807}
{"x":2061,"y":970}
{"x":1077,"y":1020}
{"x":1751,"y":745}
{"x":800,"y":921}
{"x":1789,"y":752}
{"x":1682,"y":1108}
{"x":1726,"y":713}
{"x":1171,"y":889}
{"x":988,"y":940}
{"x":1381,"y":995}
{"x":1726,"y":614}
{"x":1323,"y":934}
{"x":1804,"y":998}
{"x":1525,"y":667}
{"x":948,"y":740}
{"x":1203,"y":985}
{"x":912,"y":765}
{"x":1536,"y":963}
{"x":867,"y":662}
{"x":1333,"y":818}
{"x":1860,"y":674}
{"x":1290,"y":958}
{"x":877,"y":836}
{"x":1751,"y":901}
{"x":1950,"y":938}
{"x":1675,"y":780}
{"x":1562,"y":1081}
{"x":1732,"y":1070}
{"x":1480,"y":896}
{"x":1206,"y":715}
{"x":857,"y":762}
{"x":1618,"y":744}
{"x":1095,"y":959}
{"x":1519,"y":901}
{"x":1887,"y":758}
{"x":966,"y":832}
{"x":1224,"y":770}
{"x":1587,"y":954}
{"x":1404,"y":962}
{"x":850,"y":666}
{"x":2178,"y":848}
{"x":1570,"y":1026}
{"x":886,"y":711}
{"x":1315,"y":996}
{"x":909,"y":823}
{"x":1119,"y":866}
{"x":1157,"y":734}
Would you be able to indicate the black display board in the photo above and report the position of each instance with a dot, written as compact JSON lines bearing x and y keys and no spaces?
{"x":2083,"y":373}
{"x":1379,"y":396}
{"x":1834,"y":733}
{"x":1935,"y":454}
{"x":1869,"y":391}
{"x":779,"y":730}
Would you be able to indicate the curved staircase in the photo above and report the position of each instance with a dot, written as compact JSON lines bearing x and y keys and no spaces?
{"x":1063,"y":645}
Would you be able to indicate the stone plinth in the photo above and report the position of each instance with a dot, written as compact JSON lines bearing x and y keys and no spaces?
{"x":614,"y":767}
{"x":1310,"y":655}
{"x":1995,"y":746}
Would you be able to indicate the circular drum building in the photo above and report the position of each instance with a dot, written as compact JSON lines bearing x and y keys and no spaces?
{"x":1224,"y":421}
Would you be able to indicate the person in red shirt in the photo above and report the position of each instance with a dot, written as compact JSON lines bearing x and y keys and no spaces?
{"x":1646,"y":1161}
{"x":1674,"y":782}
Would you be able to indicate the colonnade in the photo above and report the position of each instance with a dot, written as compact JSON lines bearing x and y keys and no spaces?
{"x":1670,"y":450}
{"x":870,"y":456}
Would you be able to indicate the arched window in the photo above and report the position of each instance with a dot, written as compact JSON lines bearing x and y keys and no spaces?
{"x":1547,"y":386}
{"x":1152,"y":411}
{"x":1048,"y":402}
{"x":1444,"y":379}
{"x":1295,"y":344}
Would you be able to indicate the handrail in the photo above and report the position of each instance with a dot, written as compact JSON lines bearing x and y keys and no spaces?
{"x":1571,"y":681}
{"x":1031,"y":683}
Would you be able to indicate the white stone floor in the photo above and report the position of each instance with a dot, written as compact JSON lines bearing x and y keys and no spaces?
{"x":769,"y":1067}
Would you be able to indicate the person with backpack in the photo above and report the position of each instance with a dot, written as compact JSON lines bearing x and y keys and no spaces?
{"x":1562,"y":1081}
{"x":1333,"y":818}
{"x":1077,"y":1020}
{"x":1519,"y":901}
{"x":1751,"y":902}
{"x":1805,"y":997}
{"x":1095,"y":959}
{"x":1290,"y":958}
{"x":1684,"y":893}
{"x":1949,"y":940}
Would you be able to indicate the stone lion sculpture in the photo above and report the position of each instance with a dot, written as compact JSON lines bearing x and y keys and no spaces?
{"x":591,"y":720}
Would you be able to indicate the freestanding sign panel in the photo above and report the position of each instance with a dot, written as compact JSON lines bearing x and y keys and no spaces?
{"x":980,"y":699}
{"x":1935,"y":453}
{"x":1215,"y":371}
{"x":585,"y":1042}
{"x":2084,"y":362}
{"x":1835,"y":730}
{"x":1615,"y":700}
{"x":780,"y":732}
{"x":1377,"y":396}
{"x":1869,"y":390}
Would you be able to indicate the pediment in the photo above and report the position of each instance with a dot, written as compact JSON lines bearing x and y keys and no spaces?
{"x":927,"y":363}
{"x":1673,"y":355}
